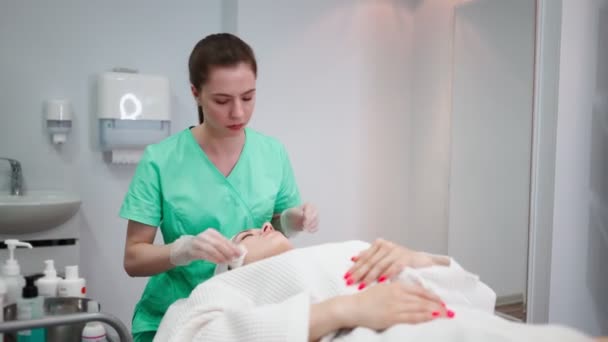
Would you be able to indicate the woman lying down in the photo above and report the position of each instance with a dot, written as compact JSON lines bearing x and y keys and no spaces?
{"x":350,"y":291}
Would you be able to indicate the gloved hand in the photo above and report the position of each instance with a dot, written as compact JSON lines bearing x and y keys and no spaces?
{"x":302,"y":218}
{"x":209,"y":245}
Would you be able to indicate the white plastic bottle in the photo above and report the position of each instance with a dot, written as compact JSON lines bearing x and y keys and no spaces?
{"x":72,"y":285}
{"x":47,"y":285}
{"x":93,"y":331}
{"x":12,"y":272}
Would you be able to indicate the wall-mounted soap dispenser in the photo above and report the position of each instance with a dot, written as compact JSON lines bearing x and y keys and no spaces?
{"x":133,"y":111}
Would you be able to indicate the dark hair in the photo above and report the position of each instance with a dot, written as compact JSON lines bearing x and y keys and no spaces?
{"x":219,"y":49}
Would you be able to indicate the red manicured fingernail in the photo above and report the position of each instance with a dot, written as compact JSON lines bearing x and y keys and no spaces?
{"x":353,"y":259}
{"x":381,"y":279}
{"x":349,"y":281}
{"x":361,"y":286}
{"x":347,"y":275}
{"x":435,"y":313}
{"x":451,"y":314}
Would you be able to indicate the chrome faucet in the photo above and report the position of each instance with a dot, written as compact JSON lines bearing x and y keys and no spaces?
{"x":16,"y":176}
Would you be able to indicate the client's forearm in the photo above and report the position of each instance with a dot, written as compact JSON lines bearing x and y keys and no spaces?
{"x":327,"y":317}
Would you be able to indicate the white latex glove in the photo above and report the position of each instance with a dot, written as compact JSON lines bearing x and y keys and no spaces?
{"x":302,"y":218}
{"x":209,"y":245}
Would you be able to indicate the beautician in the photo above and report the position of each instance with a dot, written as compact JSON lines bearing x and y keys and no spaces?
{"x":205,"y":184}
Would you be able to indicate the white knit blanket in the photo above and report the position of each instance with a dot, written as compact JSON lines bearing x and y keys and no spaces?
{"x":269,"y":301}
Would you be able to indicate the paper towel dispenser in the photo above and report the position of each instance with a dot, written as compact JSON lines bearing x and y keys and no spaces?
{"x":133,"y":112}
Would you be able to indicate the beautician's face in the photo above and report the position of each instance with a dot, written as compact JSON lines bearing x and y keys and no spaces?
{"x":262,"y":243}
{"x":228,"y":98}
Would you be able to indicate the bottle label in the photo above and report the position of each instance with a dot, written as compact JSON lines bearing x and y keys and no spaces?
{"x":24,"y":312}
{"x":25,"y":333}
{"x":72,"y":289}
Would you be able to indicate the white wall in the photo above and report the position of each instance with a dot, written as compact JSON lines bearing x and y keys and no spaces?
{"x":491,"y":137}
{"x":579,"y":277}
{"x":429,"y":144}
{"x":334,"y":87}
{"x":431,"y":122}
{"x":55,"y":50}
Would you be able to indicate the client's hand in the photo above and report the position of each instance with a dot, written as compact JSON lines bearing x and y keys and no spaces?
{"x":383,"y":260}
{"x":385,"y":305}
{"x":209,"y":245}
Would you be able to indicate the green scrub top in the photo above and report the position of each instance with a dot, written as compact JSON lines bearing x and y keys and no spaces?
{"x":177,"y":187}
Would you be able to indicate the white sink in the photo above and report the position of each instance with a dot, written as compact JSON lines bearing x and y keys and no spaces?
{"x":36,"y":211}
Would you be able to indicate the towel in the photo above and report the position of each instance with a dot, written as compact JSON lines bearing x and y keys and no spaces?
{"x":269,"y":301}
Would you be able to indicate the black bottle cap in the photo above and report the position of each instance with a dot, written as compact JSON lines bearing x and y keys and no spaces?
{"x":30,"y":290}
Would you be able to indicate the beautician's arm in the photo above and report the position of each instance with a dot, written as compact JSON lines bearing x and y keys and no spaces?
{"x":142,"y":258}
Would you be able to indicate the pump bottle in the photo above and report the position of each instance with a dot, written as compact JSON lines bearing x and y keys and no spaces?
{"x":47,"y":285}
{"x":29,"y":307}
{"x":72,"y":285}
{"x":12,"y":272}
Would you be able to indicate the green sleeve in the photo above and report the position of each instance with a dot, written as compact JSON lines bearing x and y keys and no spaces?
{"x":289,"y":194}
{"x":143,"y":201}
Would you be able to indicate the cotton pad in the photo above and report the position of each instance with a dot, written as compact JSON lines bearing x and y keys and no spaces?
{"x":238,"y":262}
{"x":234,"y":263}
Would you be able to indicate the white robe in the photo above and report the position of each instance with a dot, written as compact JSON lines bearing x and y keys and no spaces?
{"x":269,"y":301}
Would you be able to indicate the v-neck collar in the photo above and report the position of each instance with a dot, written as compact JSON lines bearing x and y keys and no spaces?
{"x":211,"y":164}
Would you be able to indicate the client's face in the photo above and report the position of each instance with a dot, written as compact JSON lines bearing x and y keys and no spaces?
{"x":262,"y":243}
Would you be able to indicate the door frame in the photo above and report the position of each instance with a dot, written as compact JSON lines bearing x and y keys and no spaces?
{"x":546,"y":87}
